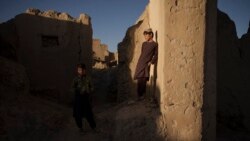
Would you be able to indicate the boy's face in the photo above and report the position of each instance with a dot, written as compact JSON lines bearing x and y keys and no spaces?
{"x":81,"y":71}
{"x":147,"y":36}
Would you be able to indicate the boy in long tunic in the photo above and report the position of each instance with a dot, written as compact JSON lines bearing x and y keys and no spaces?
{"x":82,"y":107}
{"x":149,"y":55}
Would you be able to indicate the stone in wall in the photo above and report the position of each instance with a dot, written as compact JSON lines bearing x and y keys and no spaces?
{"x":84,"y":19}
{"x":33,"y":11}
{"x":49,"y":45}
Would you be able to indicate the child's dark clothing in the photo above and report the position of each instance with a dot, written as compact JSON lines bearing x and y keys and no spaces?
{"x":82,"y":106}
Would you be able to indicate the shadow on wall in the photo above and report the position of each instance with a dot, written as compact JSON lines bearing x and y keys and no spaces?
{"x":210,"y":76}
{"x":7,"y":50}
{"x":49,"y":49}
{"x":105,"y":85}
{"x":126,"y":87}
{"x":24,"y":117}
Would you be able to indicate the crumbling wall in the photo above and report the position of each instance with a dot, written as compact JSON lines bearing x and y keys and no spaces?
{"x":100,"y":54}
{"x":186,"y":83}
{"x":128,"y":53}
{"x":100,"y":50}
{"x":244,"y":84}
{"x":233,"y":80}
{"x":49,"y":44}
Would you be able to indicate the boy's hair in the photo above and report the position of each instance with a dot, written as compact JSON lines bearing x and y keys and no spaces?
{"x":83,"y":66}
{"x":150,"y":33}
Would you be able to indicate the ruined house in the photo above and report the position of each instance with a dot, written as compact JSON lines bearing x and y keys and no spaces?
{"x":102,"y":57}
{"x":49,"y":44}
{"x":184,"y":80}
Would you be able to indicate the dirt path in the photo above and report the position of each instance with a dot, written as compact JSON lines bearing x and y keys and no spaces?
{"x":71,"y":133}
{"x":102,"y":112}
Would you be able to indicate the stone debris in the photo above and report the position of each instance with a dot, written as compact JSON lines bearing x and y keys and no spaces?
{"x":83,"y":18}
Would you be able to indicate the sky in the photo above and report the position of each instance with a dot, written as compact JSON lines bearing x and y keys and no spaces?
{"x":239,"y":12}
{"x":111,"y":18}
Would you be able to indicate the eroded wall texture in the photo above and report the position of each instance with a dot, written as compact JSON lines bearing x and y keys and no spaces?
{"x":185,"y":75}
